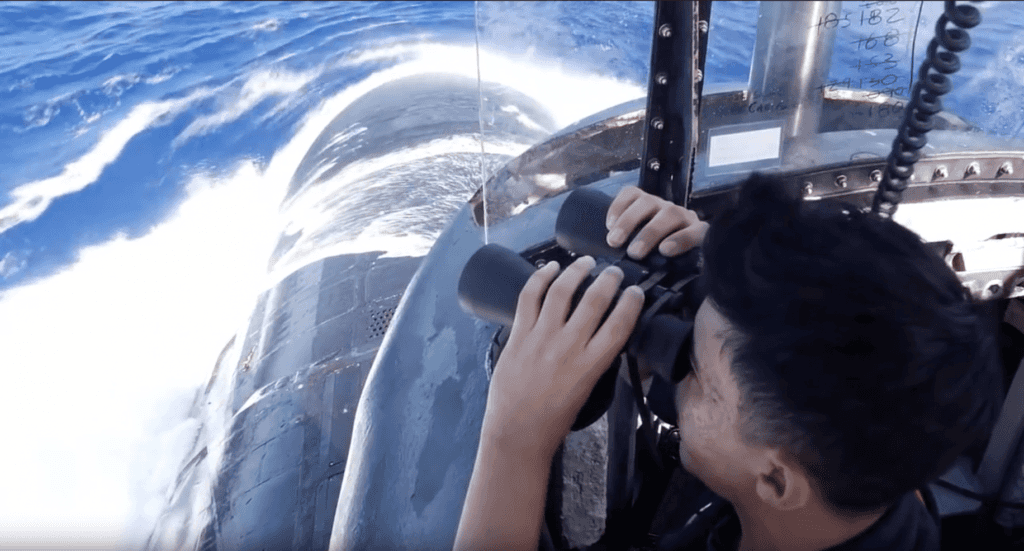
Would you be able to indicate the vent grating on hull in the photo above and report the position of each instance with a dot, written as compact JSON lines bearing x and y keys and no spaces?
{"x":379,"y":322}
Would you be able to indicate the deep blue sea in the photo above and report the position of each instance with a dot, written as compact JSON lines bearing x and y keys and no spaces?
{"x":144,"y":151}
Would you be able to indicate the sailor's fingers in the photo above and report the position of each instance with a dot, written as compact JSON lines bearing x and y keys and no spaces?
{"x":622,"y":201}
{"x":669,"y":218}
{"x":615,"y":331}
{"x":639,"y":210}
{"x":684,"y":239}
{"x":531,"y":297}
{"x":559,"y":298}
{"x":595,"y":302}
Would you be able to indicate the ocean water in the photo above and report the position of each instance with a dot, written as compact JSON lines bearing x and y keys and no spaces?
{"x":144,"y":152}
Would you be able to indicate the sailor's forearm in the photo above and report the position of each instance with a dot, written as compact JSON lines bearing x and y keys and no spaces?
{"x":505,"y":501}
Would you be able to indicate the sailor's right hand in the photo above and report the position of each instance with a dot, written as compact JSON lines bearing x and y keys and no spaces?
{"x":672,"y":228}
{"x":553,"y":360}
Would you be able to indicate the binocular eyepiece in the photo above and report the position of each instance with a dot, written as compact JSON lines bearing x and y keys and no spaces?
{"x":490,"y":284}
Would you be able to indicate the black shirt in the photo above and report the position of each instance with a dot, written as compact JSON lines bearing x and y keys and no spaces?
{"x":906,"y":526}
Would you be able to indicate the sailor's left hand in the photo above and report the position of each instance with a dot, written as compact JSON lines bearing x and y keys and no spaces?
{"x":662,"y":224}
{"x":553,"y":360}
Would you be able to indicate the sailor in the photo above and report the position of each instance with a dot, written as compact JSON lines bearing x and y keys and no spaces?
{"x":837,"y":366}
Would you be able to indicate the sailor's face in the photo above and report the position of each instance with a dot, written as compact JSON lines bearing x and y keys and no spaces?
{"x":708,"y":404}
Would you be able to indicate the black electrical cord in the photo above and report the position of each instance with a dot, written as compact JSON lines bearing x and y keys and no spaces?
{"x":925,"y":103}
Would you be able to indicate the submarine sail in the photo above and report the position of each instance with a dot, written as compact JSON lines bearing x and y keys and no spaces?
{"x":417,"y":427}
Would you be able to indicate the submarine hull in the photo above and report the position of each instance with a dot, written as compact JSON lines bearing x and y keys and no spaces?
{"x":277,"y":415}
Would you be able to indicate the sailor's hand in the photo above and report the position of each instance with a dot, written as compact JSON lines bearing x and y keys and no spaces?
{"x":671,"y":227}
{"x":550,"y":364}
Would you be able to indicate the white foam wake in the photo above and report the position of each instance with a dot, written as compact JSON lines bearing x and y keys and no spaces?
{"x":258,"y":87}
{"x":102,"y":360}
{"x":568,"y":93}
{"x":32,"y":199}
{"x":103,"y":356}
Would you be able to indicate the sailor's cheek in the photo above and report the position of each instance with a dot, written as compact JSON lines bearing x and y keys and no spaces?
{"x":703,"y":428}
{"x":701,"y":409}
{"x":694,"y":424}
{"x":689,"y":458}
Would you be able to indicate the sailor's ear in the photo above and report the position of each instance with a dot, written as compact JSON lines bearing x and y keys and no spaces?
{"x":781,"y":483}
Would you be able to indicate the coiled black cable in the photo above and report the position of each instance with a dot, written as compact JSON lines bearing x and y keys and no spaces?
{"x":925,"y":103}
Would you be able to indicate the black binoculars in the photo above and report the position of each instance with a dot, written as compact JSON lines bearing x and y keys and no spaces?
{"x":490,"y":284}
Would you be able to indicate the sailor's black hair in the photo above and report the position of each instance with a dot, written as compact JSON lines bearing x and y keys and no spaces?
{"x":855,"y":348}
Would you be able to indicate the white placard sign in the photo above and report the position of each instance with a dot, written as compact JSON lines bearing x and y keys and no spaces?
{"x":745,"y":147}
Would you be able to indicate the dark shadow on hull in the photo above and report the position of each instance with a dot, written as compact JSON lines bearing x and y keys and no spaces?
{"x":294,"y":393}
